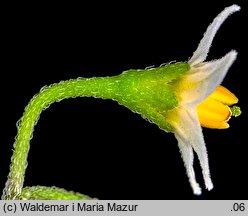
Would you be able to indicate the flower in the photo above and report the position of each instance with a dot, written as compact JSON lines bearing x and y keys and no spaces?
{"x":202,"y":102}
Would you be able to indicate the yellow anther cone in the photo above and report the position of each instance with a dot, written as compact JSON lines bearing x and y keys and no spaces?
{"x":214,"y":112}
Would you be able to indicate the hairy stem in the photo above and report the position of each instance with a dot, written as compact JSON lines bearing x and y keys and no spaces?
{"x":97,"y":87}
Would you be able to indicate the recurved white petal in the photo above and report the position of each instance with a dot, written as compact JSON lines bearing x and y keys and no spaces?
{"x":205,"y":78}
{"x":203,"y":48}
{"x":187,"y":155}
{"x":189,"y":135}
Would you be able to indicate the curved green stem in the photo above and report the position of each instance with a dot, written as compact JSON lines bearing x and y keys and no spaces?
{"x":97,"y":87}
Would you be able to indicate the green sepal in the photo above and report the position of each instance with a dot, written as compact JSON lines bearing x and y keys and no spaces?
{"x":149,"y":93}
{"x":51,"y":193}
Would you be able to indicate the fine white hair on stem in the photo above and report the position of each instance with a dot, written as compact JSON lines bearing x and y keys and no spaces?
{"x":202,"y":50}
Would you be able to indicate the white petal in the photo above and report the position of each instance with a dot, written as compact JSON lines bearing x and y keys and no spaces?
{"x":186,"y":151}
{"x":189,"y":135}
{"x":205,"y":78}
{"x":202,"y":50}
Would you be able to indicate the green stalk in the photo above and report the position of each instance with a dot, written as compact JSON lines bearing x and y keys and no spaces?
{"x":97,"y":87}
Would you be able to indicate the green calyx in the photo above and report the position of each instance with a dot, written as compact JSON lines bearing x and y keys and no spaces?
{"x":149,"y":91}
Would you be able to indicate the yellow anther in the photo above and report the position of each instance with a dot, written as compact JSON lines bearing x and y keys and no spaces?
{"x":214,"y":112}
{"x":223,"y":95}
